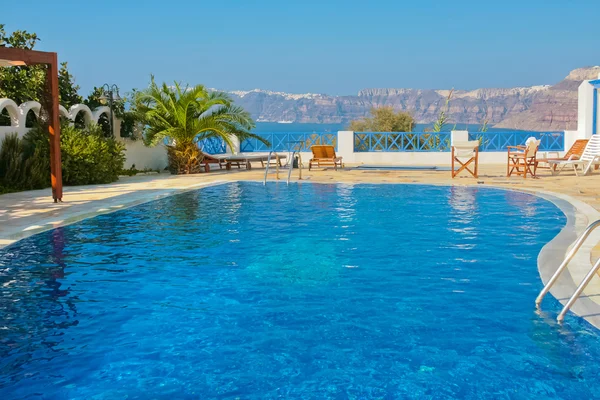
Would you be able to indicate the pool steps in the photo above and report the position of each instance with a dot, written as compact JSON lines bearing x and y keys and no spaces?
{"x":576,"y":246}
{"x":289,"y":165}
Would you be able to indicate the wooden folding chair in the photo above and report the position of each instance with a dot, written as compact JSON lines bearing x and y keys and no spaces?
{"x":465,"y":153}
{"x":522,"y":159}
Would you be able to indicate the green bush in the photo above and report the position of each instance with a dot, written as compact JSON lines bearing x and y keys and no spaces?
{"x":384,"y":119}
{"x":87,"y":158}
{"x":21,"y":166}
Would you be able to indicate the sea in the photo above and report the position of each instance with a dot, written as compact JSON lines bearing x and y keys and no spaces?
{"x":307,"y":127}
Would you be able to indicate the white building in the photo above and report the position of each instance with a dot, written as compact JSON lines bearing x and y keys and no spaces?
{"x":588,"y":123}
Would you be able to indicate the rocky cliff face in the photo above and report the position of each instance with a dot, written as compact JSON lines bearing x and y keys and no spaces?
{"x":530,"y":108}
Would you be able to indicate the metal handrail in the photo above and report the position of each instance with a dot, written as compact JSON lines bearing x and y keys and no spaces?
{"x":291,"y":166}
{"x":269,"y":164}
{"x":566,"y":261}
{"x":576,"y":246}
{"x":578,"y":292}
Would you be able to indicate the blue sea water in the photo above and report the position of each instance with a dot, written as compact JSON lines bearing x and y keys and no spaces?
{"x":307,"y":291}
{"x":309,"y":127}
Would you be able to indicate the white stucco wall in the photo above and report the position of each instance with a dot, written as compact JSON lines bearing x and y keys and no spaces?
{"x":143,"y":157}
{"x":136,"y":153}
{"x":585,"y":109}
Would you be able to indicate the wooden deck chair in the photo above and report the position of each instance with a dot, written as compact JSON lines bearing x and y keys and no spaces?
{"x":522,"y":159}
{"x":589,"y":158}
{"x":324,"y":155}
{"x":208,"y":159}
{"x":574,"y":153}
{"x":468,"y":151}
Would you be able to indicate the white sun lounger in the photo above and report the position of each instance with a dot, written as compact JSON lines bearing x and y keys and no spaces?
{"x":589,"y":158}
{"x":247,"y":159}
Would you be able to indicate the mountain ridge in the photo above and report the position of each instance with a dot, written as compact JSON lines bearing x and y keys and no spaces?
{"x":540,"y":107}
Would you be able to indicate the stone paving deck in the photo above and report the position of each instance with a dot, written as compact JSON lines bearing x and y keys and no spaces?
{"x":26,"y":213}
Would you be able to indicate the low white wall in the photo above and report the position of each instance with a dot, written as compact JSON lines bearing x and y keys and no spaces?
{"x":417,"y":158}
{"x":136,"y":153}
{"x":143,"y":157}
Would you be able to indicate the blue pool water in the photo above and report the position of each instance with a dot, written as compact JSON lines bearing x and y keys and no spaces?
{"x":310,"y":291}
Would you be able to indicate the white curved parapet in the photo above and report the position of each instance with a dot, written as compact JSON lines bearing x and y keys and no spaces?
{"x":24,"y":109}
{"x":13,"y":111}
{"x":136,"y":153}
{"x":87,"y":113}
{"x":99,"y":111}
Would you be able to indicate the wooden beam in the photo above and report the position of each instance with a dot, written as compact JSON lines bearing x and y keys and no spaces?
{"x":27,"y":56}
{"x":54,"y":130}
{"x":32,"y":57}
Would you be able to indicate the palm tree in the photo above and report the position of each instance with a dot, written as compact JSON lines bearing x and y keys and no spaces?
{"x":187,"y":115}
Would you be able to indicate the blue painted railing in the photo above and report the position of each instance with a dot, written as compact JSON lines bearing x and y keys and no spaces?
{"x":212,"y":145}
{"x":401,"y":141}
{"x":499,"y":141}
{"x":386,"y":141}
{"x":288,"y":141}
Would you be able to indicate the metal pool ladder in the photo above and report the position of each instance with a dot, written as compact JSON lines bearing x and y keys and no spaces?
{"x":576,"y":246}
{"x":289,"y":166}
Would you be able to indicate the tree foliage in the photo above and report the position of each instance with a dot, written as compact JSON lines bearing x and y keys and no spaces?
{"x":25,"y":83}
{"x":68,"y":90}
{"x":384,"y":119}
{"x":186,"y":115}
{"x":21,"y":83}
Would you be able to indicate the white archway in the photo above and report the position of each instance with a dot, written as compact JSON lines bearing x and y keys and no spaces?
{"x":62,"y":111}
{"x":99,"y":111}
{"x":13,"y":111}
{"x":24,"y":109}
{"x":87,"y":113}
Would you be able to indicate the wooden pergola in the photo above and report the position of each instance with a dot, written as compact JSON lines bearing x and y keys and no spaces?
{"x":10,"y":56}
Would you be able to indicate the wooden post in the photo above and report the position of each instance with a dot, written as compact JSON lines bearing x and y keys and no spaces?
{"x":54,"y":130}
{"x":32,"y":57}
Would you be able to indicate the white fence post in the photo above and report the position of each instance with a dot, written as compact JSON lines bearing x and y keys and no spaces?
{"x":345,"y":146}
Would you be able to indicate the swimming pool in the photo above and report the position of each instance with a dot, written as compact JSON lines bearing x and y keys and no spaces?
{"x":301,"y":291}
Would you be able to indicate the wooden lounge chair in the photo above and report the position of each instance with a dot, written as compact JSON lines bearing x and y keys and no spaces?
{"x":210,"y":159}
{"x":468,"y":150}
{"x":589,"y":158}
{"x":574,"y":153}
{"x":324,"y":155}
{"x":247,"y":159}
{"x":522,"y":159}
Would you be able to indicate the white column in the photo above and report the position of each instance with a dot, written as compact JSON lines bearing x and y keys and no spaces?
{"x":345,"y":146}
{"x":585,"y":110}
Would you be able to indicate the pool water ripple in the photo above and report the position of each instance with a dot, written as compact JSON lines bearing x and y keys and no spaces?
{"x":307,"y":291}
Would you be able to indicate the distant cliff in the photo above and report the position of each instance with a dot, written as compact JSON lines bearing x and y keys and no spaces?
{"x":531,"y":108}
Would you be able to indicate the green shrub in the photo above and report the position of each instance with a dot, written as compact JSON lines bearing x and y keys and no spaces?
{"x":22,"y":167}
{"x":87,"y":158}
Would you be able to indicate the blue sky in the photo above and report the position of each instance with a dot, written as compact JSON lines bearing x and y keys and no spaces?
{"x":333,"y":47}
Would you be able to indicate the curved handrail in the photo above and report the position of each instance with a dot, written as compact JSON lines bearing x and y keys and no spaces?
{"x":578,"y":292}
{"x":291,"y":166}
{"x":269,"y":164}
{"x":576,"y":246}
